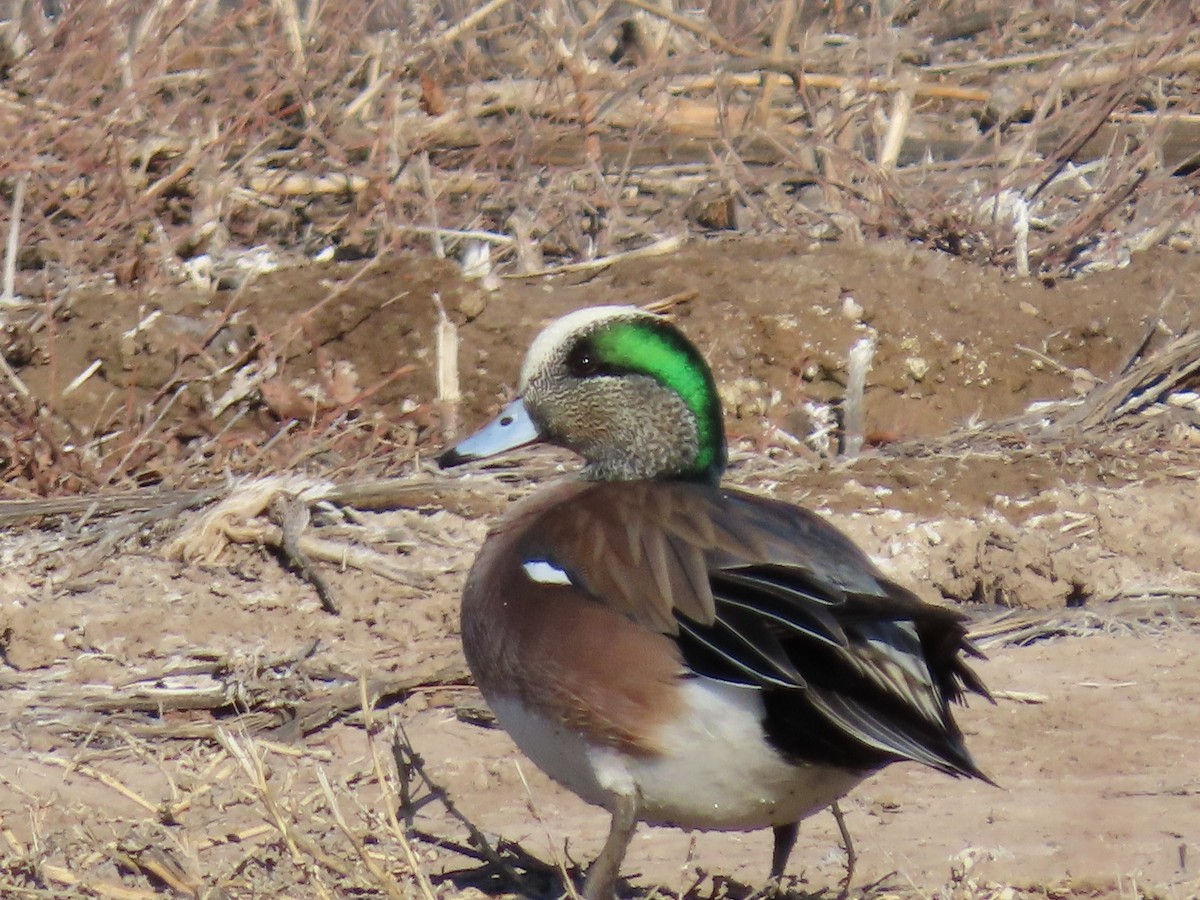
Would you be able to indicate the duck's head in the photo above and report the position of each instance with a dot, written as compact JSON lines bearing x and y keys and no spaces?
{"x":622,"y":388}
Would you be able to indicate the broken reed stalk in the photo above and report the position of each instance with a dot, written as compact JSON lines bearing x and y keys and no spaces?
{"x":8,"y":298}
{"x":1146,"y":382}
{"x":661,"y":247}
{"x":293,"y":517}
{"x":575,"y":63}
{"x":425,"y":175}
{"x":893,"y":141}
{"x":14,"y":379}
{"x":449,"y":396}
{"x":8,"y":295}
{"x":854,"y":414}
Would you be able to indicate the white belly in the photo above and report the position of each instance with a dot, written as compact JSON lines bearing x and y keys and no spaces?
{"x":717,"y":770}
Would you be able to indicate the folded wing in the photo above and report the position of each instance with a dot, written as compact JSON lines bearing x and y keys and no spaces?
{"x":854,"y":669}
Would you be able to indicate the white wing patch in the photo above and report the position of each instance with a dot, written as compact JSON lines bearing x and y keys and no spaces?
{"x":542,"y":572}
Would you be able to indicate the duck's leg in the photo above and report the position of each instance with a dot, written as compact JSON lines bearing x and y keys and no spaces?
{"x":602,"y":876}
{"x":785,"y":840}
{"x":851,"y":857}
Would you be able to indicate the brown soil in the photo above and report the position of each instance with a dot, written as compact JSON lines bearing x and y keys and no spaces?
{"x":776,"y":317}
{"x":1099,"y":790}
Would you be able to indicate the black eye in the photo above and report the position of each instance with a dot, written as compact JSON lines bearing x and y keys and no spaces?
{"x":582,"y":361}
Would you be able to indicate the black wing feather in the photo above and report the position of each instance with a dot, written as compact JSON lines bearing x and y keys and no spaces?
{"x":847,"y":679}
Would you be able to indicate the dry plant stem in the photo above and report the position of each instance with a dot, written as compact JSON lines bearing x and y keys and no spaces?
{"x":734,"y":73}
{"x":105,"y":779}
{"x":1128,"y":80}
{"x":1016,"y":166}
{"x":1063,"y":242}
{"x":491,"y":237}
{"x":328,"y":551}
{"x":893,"y":141}
{"x":449,"y":394}
{"x":575,"y":63}
{"x":14,"y":379}
{"x":144,"y":435}
{"x":560,"y":861}
{"x":293,"y":517}
{"x":109,"y":890}
{"x":252,"y":765}
{"x":157,"y":864}
{"x":284,"y":184}
{"x":688,"y":25}
{"x":382,"y":879}
{"x":454,"y":32}
{"x":658,"y":248}
{"x":1061,"y":157}
{"x":785,"y":15}
{"x":847,"y":845}
{"x":1153,"y":324}
{"x":1155,"y":235}
{"x":664,"y":306}
{"x":406,"y":493}
{"x":8,"y":295}
{"x":408,"y":761}
{"x":1159,"y":63}
{"x":1019,"y":60}
{"x":10,"y":269}
{"x":794,"y":67}
{"x":426,"y":178}
{"x":81,"y":379}
{"x":390,"y":801}
{"x":860,"y":364}
{"x":296,"y":35}
{"x":1145,"y":383}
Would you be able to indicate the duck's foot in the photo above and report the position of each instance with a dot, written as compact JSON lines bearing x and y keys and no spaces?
{"x":785,"y":840}
{"x":601,"y":883}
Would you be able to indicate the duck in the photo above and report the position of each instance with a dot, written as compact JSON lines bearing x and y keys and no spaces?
{"x":674,"y":650}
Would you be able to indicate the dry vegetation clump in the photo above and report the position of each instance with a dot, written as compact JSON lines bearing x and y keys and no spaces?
{"x":163,"y":141}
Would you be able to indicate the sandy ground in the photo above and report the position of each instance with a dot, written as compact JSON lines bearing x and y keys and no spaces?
{"x":167,"y":721}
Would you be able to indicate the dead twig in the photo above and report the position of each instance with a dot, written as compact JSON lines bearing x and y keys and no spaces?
{"x":661,"y":247}
{"x":1146,"y":382}
{"x":785,"y":14}
{"x":293,"y":518}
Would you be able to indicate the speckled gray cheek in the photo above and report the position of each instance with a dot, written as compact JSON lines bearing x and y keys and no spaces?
{"x":626,"y":428}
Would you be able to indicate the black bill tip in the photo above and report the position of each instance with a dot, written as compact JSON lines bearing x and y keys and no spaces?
{"x":451,"y":458}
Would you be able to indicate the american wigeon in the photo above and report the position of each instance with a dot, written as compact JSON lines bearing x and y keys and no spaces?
{"x":679,"y":652}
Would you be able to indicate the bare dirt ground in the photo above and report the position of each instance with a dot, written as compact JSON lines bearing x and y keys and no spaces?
{"x":191,"y":726}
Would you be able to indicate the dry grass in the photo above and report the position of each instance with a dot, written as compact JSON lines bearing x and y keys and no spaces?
{"x":162,"y":142}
